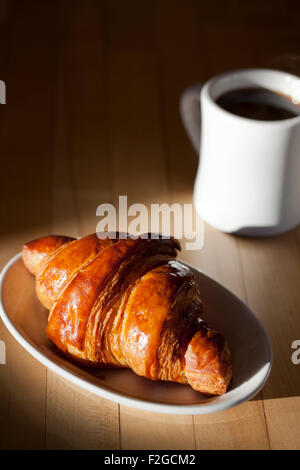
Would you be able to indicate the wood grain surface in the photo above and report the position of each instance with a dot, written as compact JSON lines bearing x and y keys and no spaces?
{"x":92,"y":113}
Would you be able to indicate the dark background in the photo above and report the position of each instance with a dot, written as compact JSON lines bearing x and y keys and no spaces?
{"x":95,"y":54}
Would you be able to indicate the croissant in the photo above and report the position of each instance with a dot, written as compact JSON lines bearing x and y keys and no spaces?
{"x":127,"y":302}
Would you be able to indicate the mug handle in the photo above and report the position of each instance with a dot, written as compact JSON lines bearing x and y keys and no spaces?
{"x":190,"y":113}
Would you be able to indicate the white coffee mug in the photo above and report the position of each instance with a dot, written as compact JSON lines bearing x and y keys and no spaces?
{"x":248,"y":179}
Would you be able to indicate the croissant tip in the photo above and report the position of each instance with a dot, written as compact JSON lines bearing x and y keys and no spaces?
{"x":35,"y":251}
{"x":208,"y":363}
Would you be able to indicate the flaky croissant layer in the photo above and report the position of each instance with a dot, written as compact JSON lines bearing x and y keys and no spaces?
{"x":128,"y":303}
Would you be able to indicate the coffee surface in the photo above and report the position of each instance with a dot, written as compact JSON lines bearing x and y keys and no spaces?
{"x":259,"y":103}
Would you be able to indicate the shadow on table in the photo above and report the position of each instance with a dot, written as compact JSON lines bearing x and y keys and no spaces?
{"x":271,"y":270}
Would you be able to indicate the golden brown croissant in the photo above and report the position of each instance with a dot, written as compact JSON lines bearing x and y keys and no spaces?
{"x":128,"y":303}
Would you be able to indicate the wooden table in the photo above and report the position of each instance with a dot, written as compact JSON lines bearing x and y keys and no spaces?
{"x":91,"y":114}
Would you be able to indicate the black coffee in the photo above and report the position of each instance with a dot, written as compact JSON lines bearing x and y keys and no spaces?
{"x":259,"y":103}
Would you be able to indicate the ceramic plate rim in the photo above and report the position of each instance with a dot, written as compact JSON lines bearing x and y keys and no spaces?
{"x":196,"y":409}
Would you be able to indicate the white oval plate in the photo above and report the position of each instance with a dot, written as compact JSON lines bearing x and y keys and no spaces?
{"x":249,"y":343}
